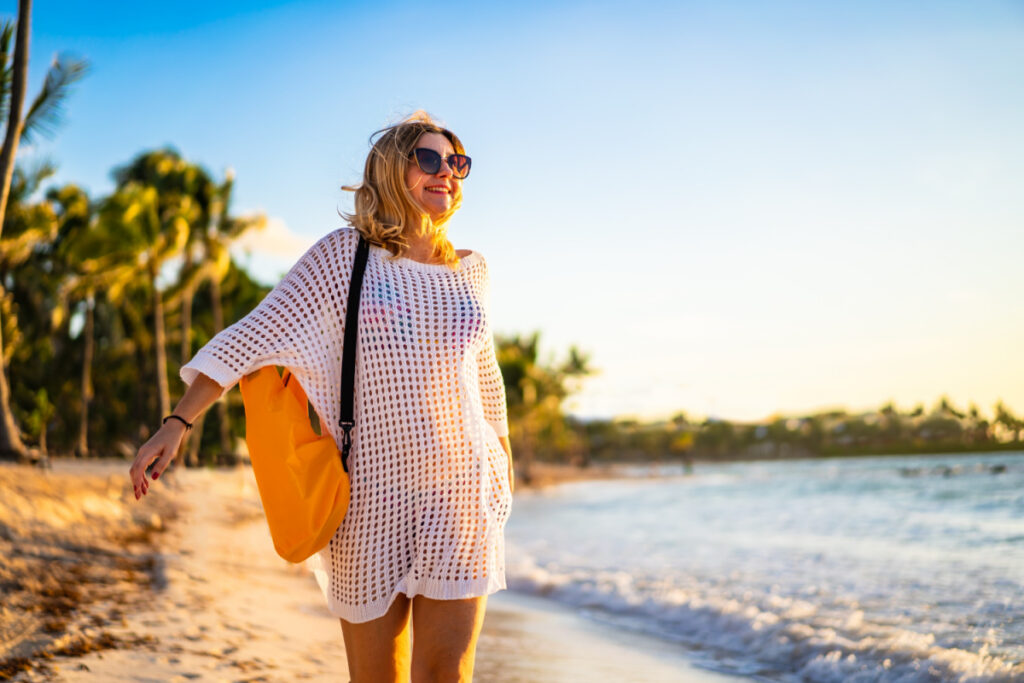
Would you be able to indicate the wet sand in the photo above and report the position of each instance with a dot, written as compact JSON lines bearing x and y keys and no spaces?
{"x":217,"y":603}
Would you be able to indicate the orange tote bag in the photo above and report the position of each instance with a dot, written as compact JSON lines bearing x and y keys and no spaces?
{"x":302,"y":484}
{"x":302,"y":478}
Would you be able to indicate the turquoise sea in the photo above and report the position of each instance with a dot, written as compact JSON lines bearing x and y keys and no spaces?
{"x":840,"y":569}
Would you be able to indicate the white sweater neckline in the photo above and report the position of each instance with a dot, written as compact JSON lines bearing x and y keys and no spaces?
{"x":406,"y":262}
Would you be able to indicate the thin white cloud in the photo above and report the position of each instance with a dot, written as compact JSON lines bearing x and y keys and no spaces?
{"x":275,"y":239}
{"x":269,"y":252}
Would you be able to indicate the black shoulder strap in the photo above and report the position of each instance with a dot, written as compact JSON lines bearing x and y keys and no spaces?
{"x":348,"y":358}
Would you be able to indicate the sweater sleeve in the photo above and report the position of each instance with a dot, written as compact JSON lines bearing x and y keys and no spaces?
{"x":492,"y":384}
{"x":283,"y":329}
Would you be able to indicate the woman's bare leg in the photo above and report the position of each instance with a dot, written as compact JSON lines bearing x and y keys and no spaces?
{"x":445,"y":634}
{"x":379,"y":651}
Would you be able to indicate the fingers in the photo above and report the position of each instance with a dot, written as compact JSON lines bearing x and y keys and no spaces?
{"x":137,"y":472}
{"x":162,"y":448}
{"x":163,"y":463}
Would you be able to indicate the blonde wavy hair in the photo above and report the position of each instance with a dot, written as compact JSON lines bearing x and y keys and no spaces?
{"x":384,"y":207}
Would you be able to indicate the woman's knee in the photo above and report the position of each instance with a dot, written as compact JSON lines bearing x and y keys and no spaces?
{"x":380,"y":649}
{"x":445,"y":634}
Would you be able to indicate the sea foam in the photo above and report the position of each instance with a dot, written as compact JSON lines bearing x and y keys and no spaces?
{"x":724,"y":568}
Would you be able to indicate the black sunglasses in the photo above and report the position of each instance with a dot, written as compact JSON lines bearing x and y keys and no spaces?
{"x":429,"y":161}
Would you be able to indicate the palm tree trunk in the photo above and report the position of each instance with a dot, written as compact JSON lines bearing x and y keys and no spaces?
{"x":11,"y":445}
{"x":15,"y":122}
{"x":226,"y":445}
{"x":42,"y":437}
{"x":192,"y":455}
{"x":160,"y":342}
{"x":193,"y":435}
{"x":186,"y":313}
{"x":82,"y":450}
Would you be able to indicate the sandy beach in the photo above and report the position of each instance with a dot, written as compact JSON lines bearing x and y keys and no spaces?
{"x":185,"y":585}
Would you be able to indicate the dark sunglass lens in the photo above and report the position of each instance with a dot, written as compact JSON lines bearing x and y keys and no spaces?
{"x":460,"y":165}
{"x":429,"y":161}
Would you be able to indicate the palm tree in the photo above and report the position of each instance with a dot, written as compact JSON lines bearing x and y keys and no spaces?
{"x":146,"y":234}
{"x":978,"y":427}
{"x":201,"y":187}
{"x":43,"y":117}
{"x":224,"y":230}
{"x":188,"y":211}
{"x":1008,"y":420}
{"x":181,"y":203}
{"x":10,"y":436}
{"x":215,"y":232}
{"x":28,"y":226}
{"x":945,"y":407}
{"x":76,"y":252}
{"x":535,"y":393}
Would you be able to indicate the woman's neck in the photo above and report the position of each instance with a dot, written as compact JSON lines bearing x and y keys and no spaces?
{"x":420,"y":247}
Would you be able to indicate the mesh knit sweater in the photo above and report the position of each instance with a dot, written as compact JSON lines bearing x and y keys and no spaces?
{"x":429,"y":478}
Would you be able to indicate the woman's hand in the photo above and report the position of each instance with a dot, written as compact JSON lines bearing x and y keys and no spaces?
{"x":161,"y":447}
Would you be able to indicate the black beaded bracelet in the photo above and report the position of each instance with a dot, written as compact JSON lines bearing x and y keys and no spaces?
{"x":188,"y":425}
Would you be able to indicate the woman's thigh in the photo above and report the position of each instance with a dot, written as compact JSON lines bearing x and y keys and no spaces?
{"x":380,"y":649}
{"x":445,"y":634}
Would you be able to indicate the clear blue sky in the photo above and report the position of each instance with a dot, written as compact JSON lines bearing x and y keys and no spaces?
{"x":738,"y":208}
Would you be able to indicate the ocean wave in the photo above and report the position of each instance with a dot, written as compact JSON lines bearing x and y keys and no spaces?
{"x":767,"y":636}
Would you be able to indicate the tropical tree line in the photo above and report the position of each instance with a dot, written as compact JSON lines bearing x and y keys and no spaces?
{"x":42,"y":117}
{"x":88,"y":332}
{"x":93,"y":333}
{"x":887,"y":430}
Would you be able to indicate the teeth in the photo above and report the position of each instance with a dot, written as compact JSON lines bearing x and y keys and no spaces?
{"x":437,"y":189}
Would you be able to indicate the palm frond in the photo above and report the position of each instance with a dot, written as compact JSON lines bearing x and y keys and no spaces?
{"x":190,"y":278}
{"x":235,"y":226}
{"x":28,"y":178}
{"x":47,"y":110}
{"x":226,"y":190}
{"x":6,"y":36}
{"x":16,"y":249}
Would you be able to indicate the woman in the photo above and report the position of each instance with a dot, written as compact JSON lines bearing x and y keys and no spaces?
{"x":421,"y":546}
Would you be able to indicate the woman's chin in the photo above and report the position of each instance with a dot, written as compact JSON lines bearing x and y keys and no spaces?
{"x":437,"y":210}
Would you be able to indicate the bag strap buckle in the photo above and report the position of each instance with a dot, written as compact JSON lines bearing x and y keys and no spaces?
{"x":346,"y":441}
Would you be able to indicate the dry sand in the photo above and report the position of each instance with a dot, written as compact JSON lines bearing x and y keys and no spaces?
{"x":74,"y":558}
{"x":185,"y":585}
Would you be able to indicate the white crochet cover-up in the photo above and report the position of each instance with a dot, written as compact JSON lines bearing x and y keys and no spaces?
{"x":429,"y":478}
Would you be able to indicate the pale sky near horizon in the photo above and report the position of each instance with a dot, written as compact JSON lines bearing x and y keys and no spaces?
{"x":736,"y":208}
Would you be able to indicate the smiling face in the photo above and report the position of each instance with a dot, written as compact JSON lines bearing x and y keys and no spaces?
{"x":435,"y":193}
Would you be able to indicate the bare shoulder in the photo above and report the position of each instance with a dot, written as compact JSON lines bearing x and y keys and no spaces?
{"x":463,"y":253}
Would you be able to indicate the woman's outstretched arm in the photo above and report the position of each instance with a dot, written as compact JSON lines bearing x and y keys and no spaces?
{"x":163,"y":446}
